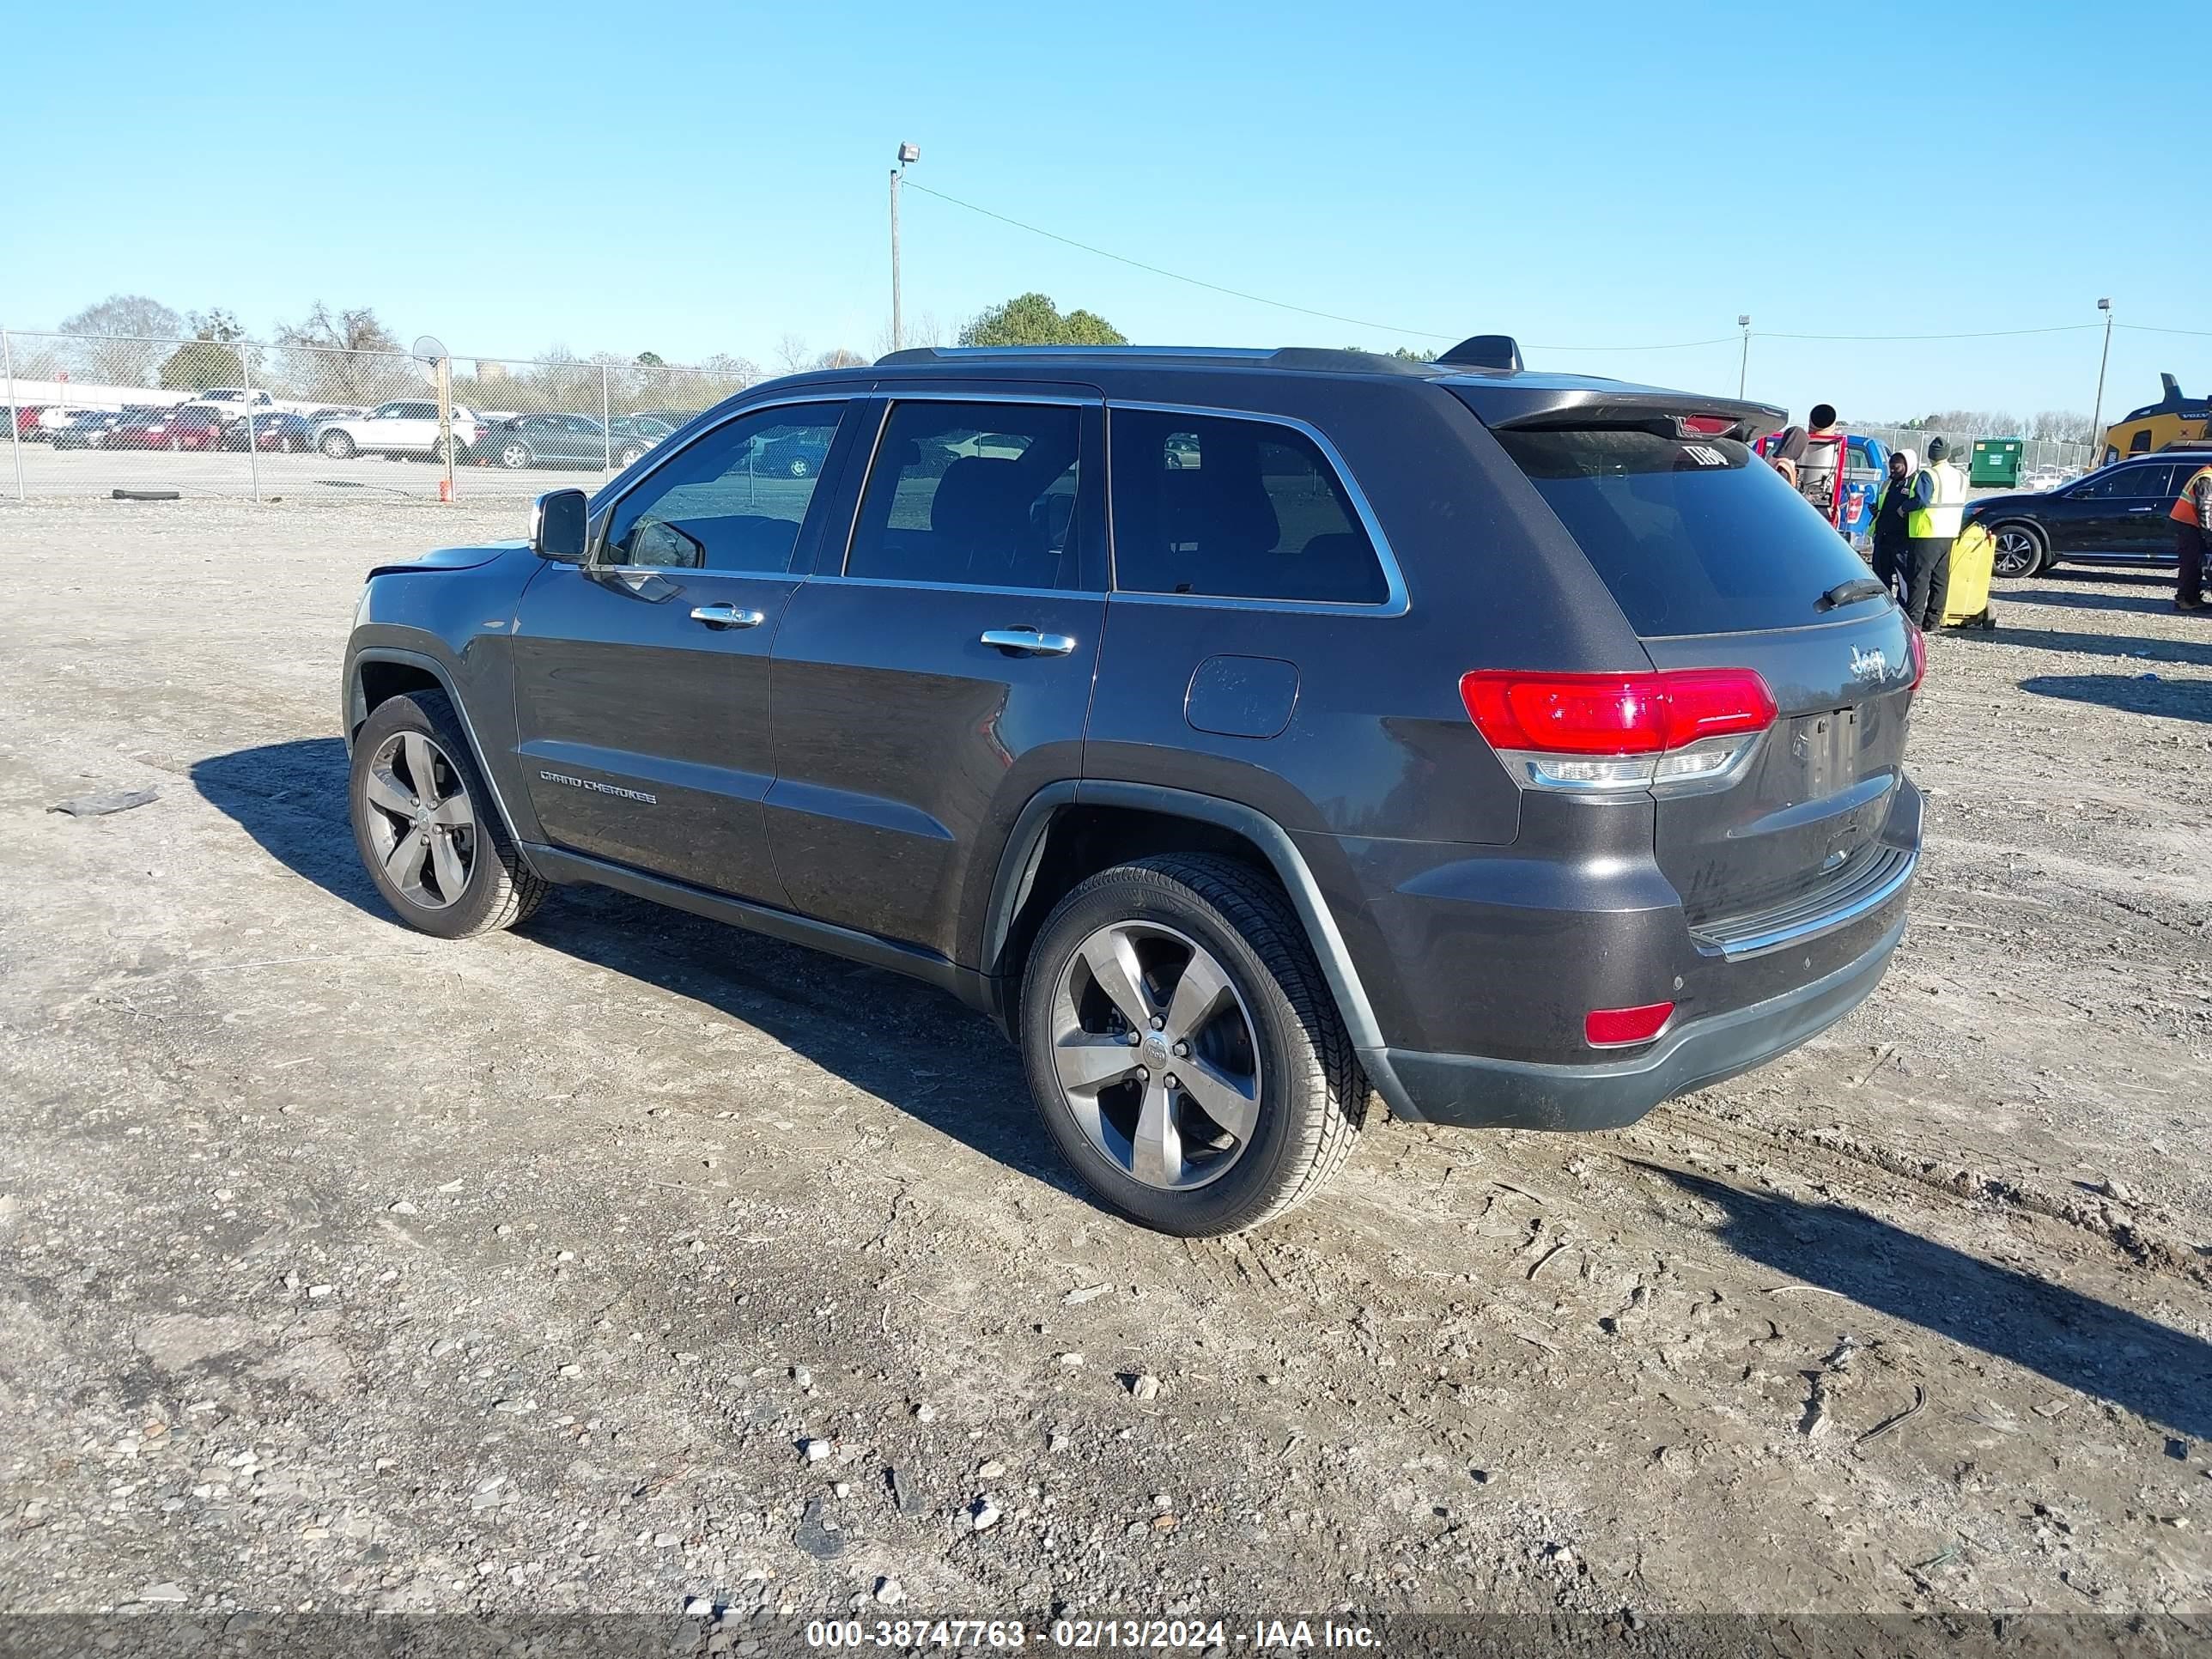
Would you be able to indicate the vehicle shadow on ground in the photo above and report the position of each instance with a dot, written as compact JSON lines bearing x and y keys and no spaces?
{"x":915,"y":1047}
{"x":2158,"y":601}
{"x":2074,"y":1340}
{"x":2195,"y":654}
{"x":2176,"y":699}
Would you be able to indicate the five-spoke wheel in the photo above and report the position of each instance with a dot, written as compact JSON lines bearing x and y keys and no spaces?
{"x":420,"y":822}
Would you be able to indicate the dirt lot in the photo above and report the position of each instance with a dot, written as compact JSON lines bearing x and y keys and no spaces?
{"x":349,"y":1269}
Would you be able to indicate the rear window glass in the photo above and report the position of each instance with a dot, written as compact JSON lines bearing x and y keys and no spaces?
{"x":1696,"y":536}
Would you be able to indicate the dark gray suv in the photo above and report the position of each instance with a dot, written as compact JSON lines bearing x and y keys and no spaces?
{"x":1243,"y":730}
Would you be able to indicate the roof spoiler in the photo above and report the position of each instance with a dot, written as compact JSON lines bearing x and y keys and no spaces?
{"x":1499,"y":353}
{"x":1526,"y":407}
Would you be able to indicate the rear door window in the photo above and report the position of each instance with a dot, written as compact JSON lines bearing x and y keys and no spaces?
{"x":979,"y":494}
{"x":2154,"y":484}
{"x":1216,"y":507}
{"x":1695,"y":536}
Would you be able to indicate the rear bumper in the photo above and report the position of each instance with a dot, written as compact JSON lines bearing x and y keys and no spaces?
{"x":1468,"y":1092}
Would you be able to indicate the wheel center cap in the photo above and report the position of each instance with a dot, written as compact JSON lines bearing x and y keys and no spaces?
{"x":1156,"y":1047}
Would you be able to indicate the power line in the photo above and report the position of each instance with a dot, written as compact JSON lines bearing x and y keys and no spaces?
{"x":1173,"y":276}
{"x":1438,"y":334}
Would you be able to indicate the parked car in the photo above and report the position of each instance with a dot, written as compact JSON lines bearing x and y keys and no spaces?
{"x":407,"y":426}
{"x":332,"y":412}
{"x":53,"y":417}
{"x":180,"y":426}
{"x":546,"y":441}
{"x":88,"y":428}
{"x":233,"y":400}
{"x":1301,"y":793}
{"x":2048,"y":478}
{"x":275,"y":429}
{"x":2119,"y":514}
{"x":27,"y":428}
{"x":635,"y":434}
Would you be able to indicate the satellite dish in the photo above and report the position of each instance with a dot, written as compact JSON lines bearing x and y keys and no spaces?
{"x":429,"y":347}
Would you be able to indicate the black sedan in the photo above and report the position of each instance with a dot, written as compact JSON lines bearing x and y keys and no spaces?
{"x":86,"y":431}
{"x":2118,"y":514}
{"x":273,"y":430}
{"x":543,"y":441}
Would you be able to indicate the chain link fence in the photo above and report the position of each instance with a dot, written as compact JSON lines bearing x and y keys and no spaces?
{"x":93,"y":415}
{"x":89,"y":414}
{"x":2049,"y":461}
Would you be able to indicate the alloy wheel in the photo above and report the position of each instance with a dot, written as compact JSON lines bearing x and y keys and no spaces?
{"x":2017,"y":553}
{"x":514,"y":455}
{"x":419,"y":819}
{"x":1155,"y":1053}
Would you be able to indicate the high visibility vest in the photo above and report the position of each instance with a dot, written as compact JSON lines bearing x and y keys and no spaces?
{"x":1939,"y":520}
{"x":2184,"y":510}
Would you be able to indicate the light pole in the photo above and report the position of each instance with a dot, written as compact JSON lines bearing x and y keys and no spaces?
{"x":1743,"y":365}
{"x":2097,"y":414}
{"x":906,"y":152}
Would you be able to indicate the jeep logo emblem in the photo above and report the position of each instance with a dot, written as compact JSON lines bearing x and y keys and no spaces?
{"x":1868,"y":664}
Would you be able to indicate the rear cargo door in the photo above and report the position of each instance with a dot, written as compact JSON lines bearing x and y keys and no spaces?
{"x":1717,"y":564}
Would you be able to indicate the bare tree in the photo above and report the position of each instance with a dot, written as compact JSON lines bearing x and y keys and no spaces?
{"x":790,"y":351}
{"x":2067,"y":426}
{"x":128,"y":337}
{"x":841,"y":357}
{"x":346,"y":354}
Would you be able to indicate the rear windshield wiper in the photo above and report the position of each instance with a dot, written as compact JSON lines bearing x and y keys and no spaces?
{"x":1859,"y":587}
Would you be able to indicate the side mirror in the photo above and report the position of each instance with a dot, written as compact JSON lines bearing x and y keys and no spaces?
{"x":556,"y":526}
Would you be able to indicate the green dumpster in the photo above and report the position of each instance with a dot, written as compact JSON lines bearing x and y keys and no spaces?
{"x":1997,"y":461}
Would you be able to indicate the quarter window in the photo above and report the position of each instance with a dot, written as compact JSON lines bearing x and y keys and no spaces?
{"x":731,"y":500}
{"x":1232,"y":508}
{"x":976,"y":494}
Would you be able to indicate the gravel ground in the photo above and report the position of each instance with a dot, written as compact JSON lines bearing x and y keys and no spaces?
{"x":626,"y":1261}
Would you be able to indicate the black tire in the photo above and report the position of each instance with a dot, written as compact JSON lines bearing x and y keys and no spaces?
{"x":337,"y":447}
{"x":500,"y":889}
{"x":627,"y":456}
{"x":514,"y":454}
{"x":800,"y":467}
{"x":1312,"y":1095}
{"x":2022,"y":549}
{"x":440,"y":448}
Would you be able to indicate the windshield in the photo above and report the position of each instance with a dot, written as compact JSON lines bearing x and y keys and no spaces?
{"x":1692,"y":536}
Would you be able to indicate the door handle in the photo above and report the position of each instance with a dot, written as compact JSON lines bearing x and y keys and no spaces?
{"x":1028,"y":642}
{"x":2141,"y":509}
{"x":727,"y":615}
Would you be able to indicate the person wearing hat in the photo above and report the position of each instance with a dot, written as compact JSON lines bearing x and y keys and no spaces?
{"x":1891,"y":552}
{"x":1931,"y":524}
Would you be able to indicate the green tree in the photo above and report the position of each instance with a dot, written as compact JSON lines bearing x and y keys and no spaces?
{"x":651,"y":360}
{"x":1033,"y":319}
{"x":199,"y":364}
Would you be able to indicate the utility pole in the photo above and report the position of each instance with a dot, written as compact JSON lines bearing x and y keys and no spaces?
{"x":2097,"y":414}
{"x":1743,"y":365}
{"x":906,"y":152}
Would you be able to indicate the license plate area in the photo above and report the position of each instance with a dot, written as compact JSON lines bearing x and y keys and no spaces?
{"x":1828,"y":747}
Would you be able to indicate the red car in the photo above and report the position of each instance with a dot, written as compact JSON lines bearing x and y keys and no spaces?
{"x":167,"y":429}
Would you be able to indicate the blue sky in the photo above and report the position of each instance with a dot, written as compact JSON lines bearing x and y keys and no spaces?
{"x":690,"y":179}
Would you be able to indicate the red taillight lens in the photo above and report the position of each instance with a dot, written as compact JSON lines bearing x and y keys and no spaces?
{"x":1613,"y":1028}
{"x":1614,"y":713}
{"x":1918,"y":641}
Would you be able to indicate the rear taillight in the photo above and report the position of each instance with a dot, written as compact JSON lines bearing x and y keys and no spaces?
{"x":1682,"y":729}
{"x":1918,"y":641}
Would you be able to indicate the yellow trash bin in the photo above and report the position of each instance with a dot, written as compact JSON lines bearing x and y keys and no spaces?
{"x":1968,"y":603}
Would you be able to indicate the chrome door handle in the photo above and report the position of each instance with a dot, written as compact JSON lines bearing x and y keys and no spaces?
{"x":727,"y":615}
{"x":1028,"y":642}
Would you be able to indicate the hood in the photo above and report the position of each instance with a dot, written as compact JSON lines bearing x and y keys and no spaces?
{"x":1911,"y":460}
{"x":452,"y":558}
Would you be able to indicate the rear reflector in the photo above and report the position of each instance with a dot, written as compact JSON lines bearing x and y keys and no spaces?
{"x":1615,"y":1028}
{"x":1687,"y":727}
{"x":1919,"y":643}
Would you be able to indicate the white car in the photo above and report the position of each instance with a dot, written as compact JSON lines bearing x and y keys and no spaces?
{"x":233,"y":400}
{"x":408,"y":426}
{"x":2049,"y":477}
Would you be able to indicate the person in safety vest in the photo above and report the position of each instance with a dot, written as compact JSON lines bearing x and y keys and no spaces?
{"x":2192,"y":527}
{"x":1890,"y":508}
{"x":1931,"y":524}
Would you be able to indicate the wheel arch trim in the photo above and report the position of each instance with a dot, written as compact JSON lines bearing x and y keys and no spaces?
{"x":1024,"y":848}
{"x":357,"y":711}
